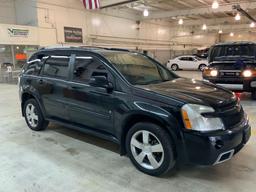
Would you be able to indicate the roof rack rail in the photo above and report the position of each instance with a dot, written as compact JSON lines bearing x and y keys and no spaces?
{"x":83,"y":47}
{"x":58,"y":46}
{"x":117,"y":49}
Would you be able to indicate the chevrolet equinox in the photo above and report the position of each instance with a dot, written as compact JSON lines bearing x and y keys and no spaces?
{"x":157,"y":117}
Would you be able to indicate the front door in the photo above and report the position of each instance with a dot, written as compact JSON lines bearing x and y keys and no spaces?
{"x":90,"y":106}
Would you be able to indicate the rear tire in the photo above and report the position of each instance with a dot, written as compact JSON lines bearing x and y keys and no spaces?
{"x":254,"y":95}
{"x":202,"y":67}
{"x":150,"y":149}
{"x":33,"y":116}
{"x":174,"y":67}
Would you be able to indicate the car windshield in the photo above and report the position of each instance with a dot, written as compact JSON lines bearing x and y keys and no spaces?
{"x":233,"y":52}
{"x":139,"y":69}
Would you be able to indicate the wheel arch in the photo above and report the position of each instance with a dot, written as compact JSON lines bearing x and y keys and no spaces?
{"x":138,"y":117}
{"x":26,"y":96}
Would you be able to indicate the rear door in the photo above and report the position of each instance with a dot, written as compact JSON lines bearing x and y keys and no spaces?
{"x":192,"y":63}
{"x":184,"y":63}
{"x":52,"y":84}
{"x":87,"y":105}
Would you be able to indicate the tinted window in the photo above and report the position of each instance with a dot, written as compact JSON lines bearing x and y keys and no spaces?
{"x":85,"y":68}
{"x":227,"y":52}
{"x":139,"y":69}
{"x":184,"y":58}
{"x":56,"y":67}
{"x":33,"y":68}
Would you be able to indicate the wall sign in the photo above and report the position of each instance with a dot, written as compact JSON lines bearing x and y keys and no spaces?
{"x":15,"y":32}
{"x":73,"y":35}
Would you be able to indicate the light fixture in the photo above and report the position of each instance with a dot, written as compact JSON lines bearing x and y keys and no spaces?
{"x":247,"y":73}
{"x":252,"y":25}
{"x":231,"y":34}
{"x":238,"y":17}
{"x":181,"y":22}
{"x":214,"y":73}
{"x":204,"y":27}
{"x":145,"y":13}
{"x":220,"y":31}
{"x":215,"y":4}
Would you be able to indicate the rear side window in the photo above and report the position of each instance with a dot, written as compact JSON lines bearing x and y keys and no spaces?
{"x":56,"y":67}
{"x":184,"y":59}
{"x":33,"y":68}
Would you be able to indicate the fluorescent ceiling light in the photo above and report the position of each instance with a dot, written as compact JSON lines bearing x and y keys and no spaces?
{"x":204,"y":27}
{"x":181,"y":21}
{"x":215,"y":4}
{"x":145,"y":13}
{"x":252,"y":25}
{"x":220,"y":31}
{"x":238,"y":17}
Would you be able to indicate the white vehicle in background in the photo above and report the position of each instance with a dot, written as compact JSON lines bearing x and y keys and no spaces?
{"x":187,"y":62}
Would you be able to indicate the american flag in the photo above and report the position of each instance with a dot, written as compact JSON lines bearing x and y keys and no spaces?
{"x":91,"y":4}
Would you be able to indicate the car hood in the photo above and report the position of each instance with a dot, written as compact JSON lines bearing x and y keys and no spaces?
{"x":193,"y":91}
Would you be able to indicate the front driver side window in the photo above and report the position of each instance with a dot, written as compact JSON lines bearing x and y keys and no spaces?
{"x":86,"y":67}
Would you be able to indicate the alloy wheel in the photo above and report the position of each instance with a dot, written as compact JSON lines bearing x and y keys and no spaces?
{"x":147,"y":150}
{"x":31,"y":115}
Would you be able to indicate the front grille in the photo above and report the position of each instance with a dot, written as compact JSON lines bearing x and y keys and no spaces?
{"x":231,"y":114}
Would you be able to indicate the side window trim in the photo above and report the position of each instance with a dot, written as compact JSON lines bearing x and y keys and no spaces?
{"x":88,"y":58}
{"x":73,"y":68}
{"x":45,"y":58}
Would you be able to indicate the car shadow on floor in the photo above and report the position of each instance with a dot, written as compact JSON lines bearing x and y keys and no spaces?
{"x":78,"y":135}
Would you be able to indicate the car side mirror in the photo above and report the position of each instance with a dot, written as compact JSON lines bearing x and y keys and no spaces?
{"x":101,"y":81}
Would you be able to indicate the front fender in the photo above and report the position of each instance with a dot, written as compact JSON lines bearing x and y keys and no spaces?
{"x":152,"y":113}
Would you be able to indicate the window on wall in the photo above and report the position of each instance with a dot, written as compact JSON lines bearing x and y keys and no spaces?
{"x":5,"y":57}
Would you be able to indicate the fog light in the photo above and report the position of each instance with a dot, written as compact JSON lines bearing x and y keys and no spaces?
{"x":247,"y":73}
{"x":214,"y":73}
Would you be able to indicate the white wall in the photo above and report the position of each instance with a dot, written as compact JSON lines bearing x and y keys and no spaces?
{"x":240,"y":36}
{"x":7,"y":12}
{"x":35,"y":36}
{"x":103,"y":29}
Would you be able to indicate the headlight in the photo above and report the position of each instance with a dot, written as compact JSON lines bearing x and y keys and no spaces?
{"x":214,"y":73}
{"x":247,"y":73}
{"x":193,"y":119}
{"x":210,"y":72}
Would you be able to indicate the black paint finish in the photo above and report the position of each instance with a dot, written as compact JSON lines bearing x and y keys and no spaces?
{"x":109,"y":114}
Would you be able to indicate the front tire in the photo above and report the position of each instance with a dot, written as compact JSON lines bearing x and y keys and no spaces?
{"x":33,"y":116}
{"x":174,"y":67}
{"x":150,"y":149}
{"x":202,"y":67}
{"x":254,"y":95}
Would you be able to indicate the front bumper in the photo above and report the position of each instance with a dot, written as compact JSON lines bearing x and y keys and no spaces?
{"x":217,"y":147}
{"x":234,"y":84}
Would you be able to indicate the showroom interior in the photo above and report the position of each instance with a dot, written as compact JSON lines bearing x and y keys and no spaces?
{"x":175,"y":33}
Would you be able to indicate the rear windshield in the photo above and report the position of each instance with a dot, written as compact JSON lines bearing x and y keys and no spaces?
{"x":232,"y":52}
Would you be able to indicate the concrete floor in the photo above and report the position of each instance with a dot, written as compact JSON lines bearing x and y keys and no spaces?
{"x":60,"y":160}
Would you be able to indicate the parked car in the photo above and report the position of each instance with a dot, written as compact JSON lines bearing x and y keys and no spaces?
{"x":157,"y":117}
{"x":187,"y":62}
{"x":233,"y":65}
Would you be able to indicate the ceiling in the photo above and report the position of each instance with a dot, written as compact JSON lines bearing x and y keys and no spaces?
{"x":193,"y":12}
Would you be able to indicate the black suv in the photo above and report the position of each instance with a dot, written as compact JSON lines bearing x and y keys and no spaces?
{"x":157,"y":117}
{"x":233,"y":65}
